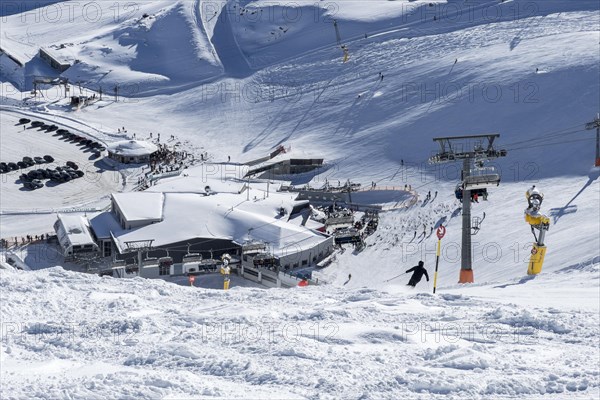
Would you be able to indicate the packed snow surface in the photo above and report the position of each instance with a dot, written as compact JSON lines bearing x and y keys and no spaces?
{"x":234,"y":80}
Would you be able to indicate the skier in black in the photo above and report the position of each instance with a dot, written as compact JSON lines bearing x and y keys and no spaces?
{"x":418,"y":271}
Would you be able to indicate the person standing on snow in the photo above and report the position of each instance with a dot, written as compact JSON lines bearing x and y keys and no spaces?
{"x":418,"y":272}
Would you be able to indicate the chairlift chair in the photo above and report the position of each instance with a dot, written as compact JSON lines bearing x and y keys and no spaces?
{"x":191,"y":257}
{"x":480,"y":178}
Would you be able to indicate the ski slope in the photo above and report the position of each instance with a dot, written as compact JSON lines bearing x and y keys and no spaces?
{"x":224,"y":80}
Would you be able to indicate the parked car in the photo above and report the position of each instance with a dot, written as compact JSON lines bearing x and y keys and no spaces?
{"x":34,"y":184}
{"x":87,"y":142}
{"x":29,"y":161}
{"x":39,"y":160}
{"x":33,"y":174}
{"x":12,"y":166}
{"x":48,"y":158}
{"x":35,"y":124}
{"x":62,"y":131}
{"x":43,"y":173}
{"x":24,"y":121}
{"x":72,"y":165}
{"x":55,"y":176}
{"x":25,"y":178}
{"x":52,"y":128}
{"x":65,"y":176}
{"x":22,"y":165}
{"x":73,"y":174}
{"x":3,"y":167}
{"x":44,"y":126}
{"x":79,"y":173}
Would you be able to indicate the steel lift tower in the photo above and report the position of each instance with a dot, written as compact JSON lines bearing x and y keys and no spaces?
{"x":474,"y":176}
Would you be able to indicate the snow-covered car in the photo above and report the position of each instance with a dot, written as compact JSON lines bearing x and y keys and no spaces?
{"x":39,"y":160}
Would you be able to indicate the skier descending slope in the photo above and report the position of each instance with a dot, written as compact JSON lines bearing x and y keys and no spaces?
{"x":418,"y":271}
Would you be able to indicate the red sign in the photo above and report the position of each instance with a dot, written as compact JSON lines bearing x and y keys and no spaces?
{"x":534,"y":251}
{"x":441,"y":231}
{"x":303,"y":283}
{"x":192,"y":278}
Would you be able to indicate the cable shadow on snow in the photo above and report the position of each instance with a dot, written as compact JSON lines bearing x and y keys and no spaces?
{"x":521,"y":281}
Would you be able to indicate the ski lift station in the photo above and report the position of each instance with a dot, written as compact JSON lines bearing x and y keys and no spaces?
{"x":184,"y":219}
{"x":131,"y":151}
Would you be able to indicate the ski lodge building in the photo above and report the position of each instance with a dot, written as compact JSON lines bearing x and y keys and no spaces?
{"x":184,"y":215}
{"x":131,"y":151}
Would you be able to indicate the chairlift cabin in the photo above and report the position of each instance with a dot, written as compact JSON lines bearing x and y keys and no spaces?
{"x":481,"y":177}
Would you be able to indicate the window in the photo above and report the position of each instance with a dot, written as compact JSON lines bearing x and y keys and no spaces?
{"x":107,"y":248}
{"x":304,"y":262}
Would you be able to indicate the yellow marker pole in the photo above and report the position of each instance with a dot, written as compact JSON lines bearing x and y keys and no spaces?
{"x":441,"y":231}
{"x":437,"y":261}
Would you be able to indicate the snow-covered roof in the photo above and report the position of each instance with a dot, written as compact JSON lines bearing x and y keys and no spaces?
{"x":132,"y":148}
{"x":226,"y":216}
{"x":73,"y":230}
{"x":105,"y":223}
{"x":140,"y":206}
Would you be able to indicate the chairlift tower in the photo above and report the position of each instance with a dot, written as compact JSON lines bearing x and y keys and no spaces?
{"x":456,"y":148}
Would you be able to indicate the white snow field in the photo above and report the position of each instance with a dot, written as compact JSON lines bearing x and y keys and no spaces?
{"x":239,"y":78}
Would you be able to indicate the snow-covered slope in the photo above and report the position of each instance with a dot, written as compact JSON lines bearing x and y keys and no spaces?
{"x":67,"y":335}
{"x":230,"y":84}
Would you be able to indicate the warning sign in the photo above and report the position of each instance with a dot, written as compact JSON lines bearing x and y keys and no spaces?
{"x":441,"y":231}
